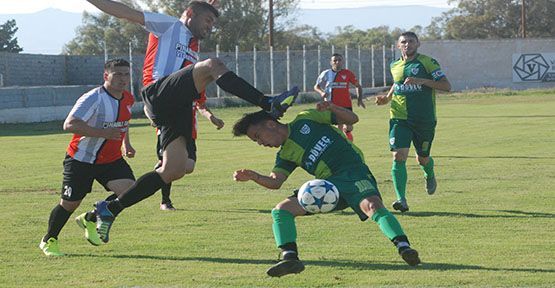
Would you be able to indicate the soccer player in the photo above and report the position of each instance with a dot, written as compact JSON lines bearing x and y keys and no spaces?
{"x":413,"y":113}
{"x":177,"y":79}
{"x":312,"y":143}
{"x":333,"y":85}
{"x":200,"y":106}
{"x":99,"y":121}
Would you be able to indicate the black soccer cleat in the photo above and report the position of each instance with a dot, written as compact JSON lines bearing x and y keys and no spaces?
{"x":409,"y":255}
{"x":400,"y":205}
{"x":285,"y":267}
{"x":280,"y":103}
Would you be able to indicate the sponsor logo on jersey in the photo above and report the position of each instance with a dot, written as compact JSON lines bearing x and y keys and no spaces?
{"x":117,"y":124}
{"x":305,"y":130}
{"x":317,"y":150}
{"x":415,"y":71}
{"x":184,"y":52}
{"x":391,"y":140}
{"x":404,"y":88}
{"x":344,"y":77}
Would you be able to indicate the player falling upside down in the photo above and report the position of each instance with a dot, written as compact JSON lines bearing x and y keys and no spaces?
{"x":177,"y":81}
{"x":312,"y":143}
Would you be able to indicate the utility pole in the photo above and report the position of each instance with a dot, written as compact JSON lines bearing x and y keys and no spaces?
{"x":271,"y":23}
{"x":523,"y":19}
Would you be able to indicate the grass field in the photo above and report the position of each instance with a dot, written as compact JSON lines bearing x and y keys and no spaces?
{"x":490,"y":224}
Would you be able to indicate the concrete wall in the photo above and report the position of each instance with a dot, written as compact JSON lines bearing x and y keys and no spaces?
{"x":473,"y":64}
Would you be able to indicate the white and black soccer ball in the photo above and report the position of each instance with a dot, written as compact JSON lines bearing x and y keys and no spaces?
{"x":318,"y":196}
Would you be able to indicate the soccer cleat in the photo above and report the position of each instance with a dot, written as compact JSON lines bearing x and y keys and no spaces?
{"x":50,"y":247}
{"x":431,"y":185}
{"x":90,"y":229}
{"x":167,"y":206}
{"x":409,"y":255}
{"x":279,"y":104}
{"x":401,"y":205}
{"x":104,"y":220}
{"x":285,"y":267}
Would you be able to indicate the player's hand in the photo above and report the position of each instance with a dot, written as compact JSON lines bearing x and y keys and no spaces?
{"x":112,"y":133}
{"x":219,"y":123}
{"x":360,"y":103}
{"x":323,"y":106}
{"x":129,"y":151}
{"x":244,"y":175}
{"x":382,"y":100}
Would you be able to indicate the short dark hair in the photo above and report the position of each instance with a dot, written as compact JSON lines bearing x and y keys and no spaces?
{"x":242,"y":125}
{"x":200,"y":7}
{"x":336,"y":55}
{"x":118,"y":62}
{"x":410,"y":34}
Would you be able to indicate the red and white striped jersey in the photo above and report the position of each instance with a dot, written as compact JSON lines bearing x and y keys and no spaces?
{"x":171,"y":46}
{"x":336,"y":85}
{"x":99,"y":109}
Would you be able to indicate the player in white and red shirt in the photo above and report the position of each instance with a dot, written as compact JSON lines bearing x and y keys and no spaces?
{"x":333,"y":85}
{"x":169,"y":99}
{"x":99,"y":121}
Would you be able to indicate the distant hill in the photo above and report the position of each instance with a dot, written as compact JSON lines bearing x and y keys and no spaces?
{"x":46,"y":31}
{"x":404,"y":17}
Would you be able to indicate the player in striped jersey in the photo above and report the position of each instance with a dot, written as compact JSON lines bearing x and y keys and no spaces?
{"x":413,"y":113}
{"x":99,"y":122}
{"x":333,"y":85}
{"x":178,"y":80}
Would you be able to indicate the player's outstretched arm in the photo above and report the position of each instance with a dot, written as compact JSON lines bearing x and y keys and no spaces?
{"x":274,"y":181}
{"x":442,"y":84}
{"x":384,"y":99}
{"x":119,"y":10}
{"x":78,"y":126}
{"x":127,"y":148}
{"x":208,"y":114}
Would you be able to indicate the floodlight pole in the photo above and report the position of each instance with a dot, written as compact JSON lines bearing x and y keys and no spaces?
{"x":523,"y":18}
{"x":271,"y":23}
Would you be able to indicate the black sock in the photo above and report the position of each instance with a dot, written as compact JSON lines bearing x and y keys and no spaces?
{"x":400,"y":239}
{"x":143,"y":188}
{"x":57,"y":220}
{"x":166,"y":189}
{"x":90,"y":216}
{"x":235,"y":85}
{"x":289,"y":251}
{"x":111,"y":197}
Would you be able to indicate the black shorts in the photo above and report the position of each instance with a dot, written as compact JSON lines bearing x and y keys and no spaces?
{"x":170,"y":100}
{"x":191,"y":149}
{"x":79,"y":176}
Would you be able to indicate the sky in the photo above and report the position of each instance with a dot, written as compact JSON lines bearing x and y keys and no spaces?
{"x":31,"y":6}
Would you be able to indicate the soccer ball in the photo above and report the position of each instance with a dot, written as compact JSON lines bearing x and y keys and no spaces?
{"x":318,"y":196}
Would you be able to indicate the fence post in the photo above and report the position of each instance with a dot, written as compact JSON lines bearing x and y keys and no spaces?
{"x":319,"y":59}
{"x":218,"y":56}
{"x":359,"y":67}
{"x":304,"y":68}
{"x":237,"y":60}
{"x":332,"y":49}
{"x":105,"y":52}
{"x":131,"y":69}
{"x":346,"y":56}
{"x":271,"y":70}
{"x":373,"y":68}
{"x":288,"y":69}
{"x":383,"y":60}
{"x":254,"y":65}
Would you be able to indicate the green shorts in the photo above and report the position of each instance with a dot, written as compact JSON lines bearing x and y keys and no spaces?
{"x":402,"y":133}
{"x":354,"y":185}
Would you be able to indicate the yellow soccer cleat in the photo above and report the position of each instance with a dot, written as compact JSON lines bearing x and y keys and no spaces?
{"x":90,"y":229}
{"x":50,"y":247}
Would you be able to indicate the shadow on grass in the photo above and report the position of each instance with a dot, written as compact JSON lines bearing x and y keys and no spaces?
{"x":40,"y":129}
{"x":496,"y":157}
{"x":355,"y":265}
{"x":515,"y":214}
{"x":501,"y":116}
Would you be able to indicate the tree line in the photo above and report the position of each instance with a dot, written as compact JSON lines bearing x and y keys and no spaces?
{"x":245,"y":23}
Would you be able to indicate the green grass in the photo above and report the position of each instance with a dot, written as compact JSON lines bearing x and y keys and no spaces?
{"x":490,"y":223}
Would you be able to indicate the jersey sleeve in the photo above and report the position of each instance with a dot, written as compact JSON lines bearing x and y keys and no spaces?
{"x":283,"y":166}
{"x":321,"y":80}
{"x":157,"y":23}
{"x":324,"y":117}
{"x":353,"y":78}
{"x":86,"y":106}
{"x":433,"y":67}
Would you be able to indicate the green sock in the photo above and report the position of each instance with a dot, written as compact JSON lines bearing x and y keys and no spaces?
{"x":428,"y":168}
{"x":284,"y":227}
{"x":399,"y":175}
{"x":389,"y":225}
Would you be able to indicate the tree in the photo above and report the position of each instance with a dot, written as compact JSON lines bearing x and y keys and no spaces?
{"x":103,"y":28}
{"x":486,"y":19}
{"x":8,"y":41}
{"x":350,"y":36}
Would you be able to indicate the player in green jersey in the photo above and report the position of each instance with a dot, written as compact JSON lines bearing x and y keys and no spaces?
{"x":416,"y":77}
{"x":312,"y":143}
